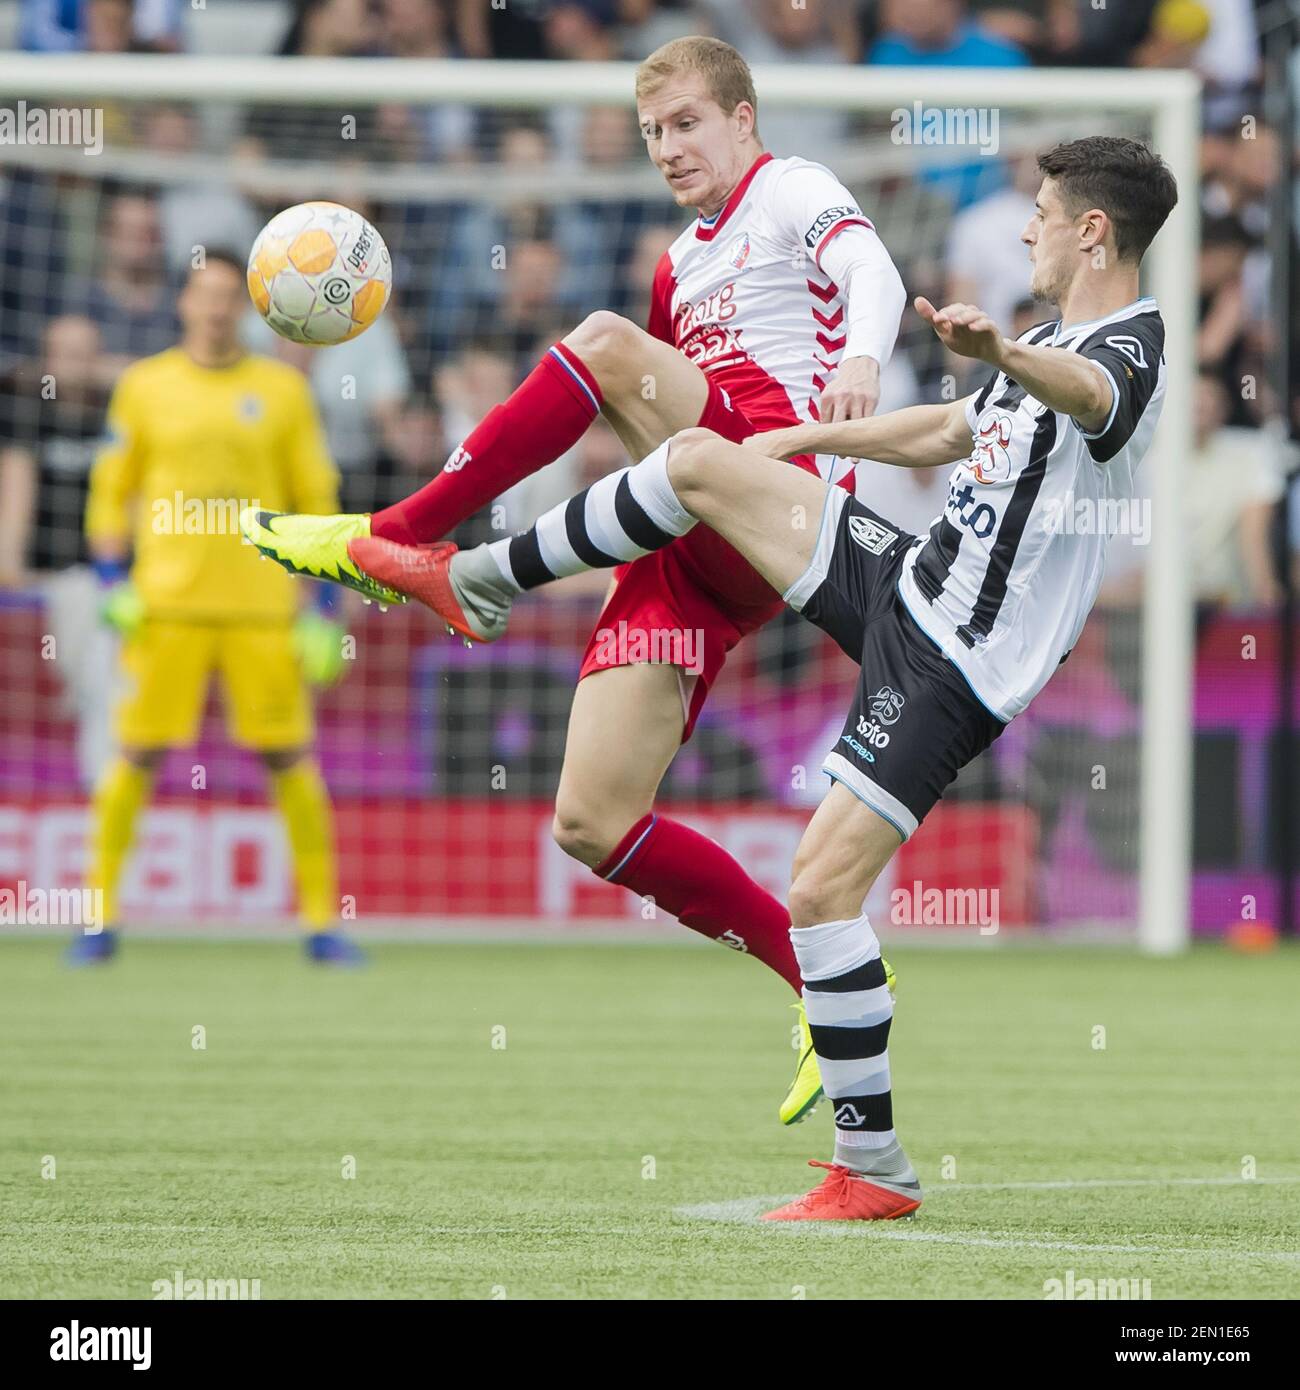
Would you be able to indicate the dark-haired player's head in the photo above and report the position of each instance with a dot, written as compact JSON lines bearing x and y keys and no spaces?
{"x":698,"y":112}
{"x":1099,"y":207}
{"x":211,"y":304}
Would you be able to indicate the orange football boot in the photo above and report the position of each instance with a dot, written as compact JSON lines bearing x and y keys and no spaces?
{"x":420,"y":572}
{"x":843,"y":1195}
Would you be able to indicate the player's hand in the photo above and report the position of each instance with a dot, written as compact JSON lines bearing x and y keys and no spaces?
{"x":964,"y":329}
{"x":854,"y":392}
{"x":319,"y":644}
{"x":776,"y":444}
{"x":122,"y":608}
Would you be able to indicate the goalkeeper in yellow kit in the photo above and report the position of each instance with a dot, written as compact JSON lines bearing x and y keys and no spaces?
{"x":193,"y":433}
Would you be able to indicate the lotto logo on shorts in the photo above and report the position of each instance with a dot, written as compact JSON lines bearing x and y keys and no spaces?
{"x":871,"y":535}
{"x":887,"y":705}
{"x":873,"y":732}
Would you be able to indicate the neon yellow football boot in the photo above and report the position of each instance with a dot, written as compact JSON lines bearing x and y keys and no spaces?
{"x":806,"y":1088}
{"x":316,"y":546}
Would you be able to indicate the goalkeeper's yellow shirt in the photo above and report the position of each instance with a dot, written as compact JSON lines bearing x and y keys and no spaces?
{"x":187,"y":448}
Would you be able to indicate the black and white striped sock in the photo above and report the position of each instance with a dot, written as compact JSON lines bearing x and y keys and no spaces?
{"x":849,"y":1013}
{"x":621,"y":517}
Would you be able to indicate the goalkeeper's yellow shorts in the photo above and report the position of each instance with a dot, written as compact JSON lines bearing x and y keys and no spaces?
{"x":168,"y":667}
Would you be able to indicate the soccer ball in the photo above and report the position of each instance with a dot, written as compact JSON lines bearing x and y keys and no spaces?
{"x":319,"y":273}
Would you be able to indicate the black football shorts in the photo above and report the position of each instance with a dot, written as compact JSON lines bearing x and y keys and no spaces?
{"x":914,"y":722}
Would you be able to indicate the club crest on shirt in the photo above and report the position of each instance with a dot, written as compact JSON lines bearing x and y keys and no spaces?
{"x":871,"y":535}
{"x":991,"y":459}
{"x":738,"y":251}
{"x":250,"y":408}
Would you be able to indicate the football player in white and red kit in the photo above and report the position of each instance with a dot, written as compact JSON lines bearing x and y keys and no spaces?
{"x":776,"y":307}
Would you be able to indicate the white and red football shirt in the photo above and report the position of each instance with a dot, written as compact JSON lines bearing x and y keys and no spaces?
{"x":744,"y":294}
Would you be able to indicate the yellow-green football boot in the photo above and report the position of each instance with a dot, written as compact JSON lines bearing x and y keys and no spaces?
{"x":806,"y":1088}
{"x":316,"y":546}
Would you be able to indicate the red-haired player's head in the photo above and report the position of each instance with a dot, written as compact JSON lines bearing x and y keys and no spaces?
{"x":698,"y":112}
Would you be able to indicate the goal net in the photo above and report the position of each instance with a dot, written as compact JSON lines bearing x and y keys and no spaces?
{"x":516,"y":199}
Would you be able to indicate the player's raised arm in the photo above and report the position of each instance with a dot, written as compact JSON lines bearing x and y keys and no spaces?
{"x":1062,"y":380}
{"x":915,"y":437}
{"x":845,"y":247}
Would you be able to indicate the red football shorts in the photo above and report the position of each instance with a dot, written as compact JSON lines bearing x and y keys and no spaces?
{"x":690,"y":602}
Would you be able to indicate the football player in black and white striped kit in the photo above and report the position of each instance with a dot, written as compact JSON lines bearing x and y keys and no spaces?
{"x":955,"y":631}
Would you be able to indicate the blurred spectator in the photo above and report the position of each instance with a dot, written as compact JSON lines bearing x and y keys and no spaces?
{"x":33,"y":260}
{"x":414,"y":446}
{"x":1231,"y":491}
{"x":51,"y":420}
{"x":1026,"y":314}
{"x":51,"y":423}
{"x":1084,"y":34}
{"x":329,"y":29}
{"x":940,"y":33}
{"x":650,"y":246}
{"x":581,"y":30}
{"x":517,"y":31}
{"x":100,"y":26}
{"x":476,"y":272}
{"x":418,"y":29}
{"x":529,"y":307}
{"x":774,"y":31}
{"x":360,"y":386}
{"x":1221,"y":337}
{"x":599,"y":235}
{"x":987,"y":262}
{"x":201,"y":213}
{"x":319,"y":29}
{"x":131,"y":299}
{"x":1229,"y":57}
{"x":1178,"y":29}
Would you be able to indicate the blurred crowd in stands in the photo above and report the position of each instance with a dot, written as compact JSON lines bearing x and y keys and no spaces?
{"x":89,"y":264}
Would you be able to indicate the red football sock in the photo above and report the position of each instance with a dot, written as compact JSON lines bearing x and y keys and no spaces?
{"x":696,"y":880}
{"x":546,"y":416}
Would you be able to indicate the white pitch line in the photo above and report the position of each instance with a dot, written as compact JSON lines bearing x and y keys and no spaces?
{"x":1100,"y":1182}
{"x":746,"y":1210}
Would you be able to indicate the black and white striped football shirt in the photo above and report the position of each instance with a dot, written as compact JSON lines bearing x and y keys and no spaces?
{"x":1010,"y":570}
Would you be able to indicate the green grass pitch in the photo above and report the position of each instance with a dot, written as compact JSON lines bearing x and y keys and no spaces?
{"x":571,"y":1121}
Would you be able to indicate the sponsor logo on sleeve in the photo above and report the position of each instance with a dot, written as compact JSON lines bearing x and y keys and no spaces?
{"x":826,"y":221}
{"x":1130,"y":346}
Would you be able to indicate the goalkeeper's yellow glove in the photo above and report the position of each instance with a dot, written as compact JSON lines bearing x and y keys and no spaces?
{"x":319,"y":644}
{"x":122,"y":608}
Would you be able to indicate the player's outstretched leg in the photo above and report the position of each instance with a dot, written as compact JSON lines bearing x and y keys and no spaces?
{"x":847,"y":996}
{"x":619,"y":517}
{"x":601,"y":365}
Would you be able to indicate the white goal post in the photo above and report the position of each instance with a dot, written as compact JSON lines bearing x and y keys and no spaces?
{"x":1168,"y":101}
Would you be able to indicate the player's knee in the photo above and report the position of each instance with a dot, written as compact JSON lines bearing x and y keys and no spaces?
{"x":809,"y":900}
{"x":605,"y":341}
{"x":580,"y":833}
{"x":688,"y":452}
